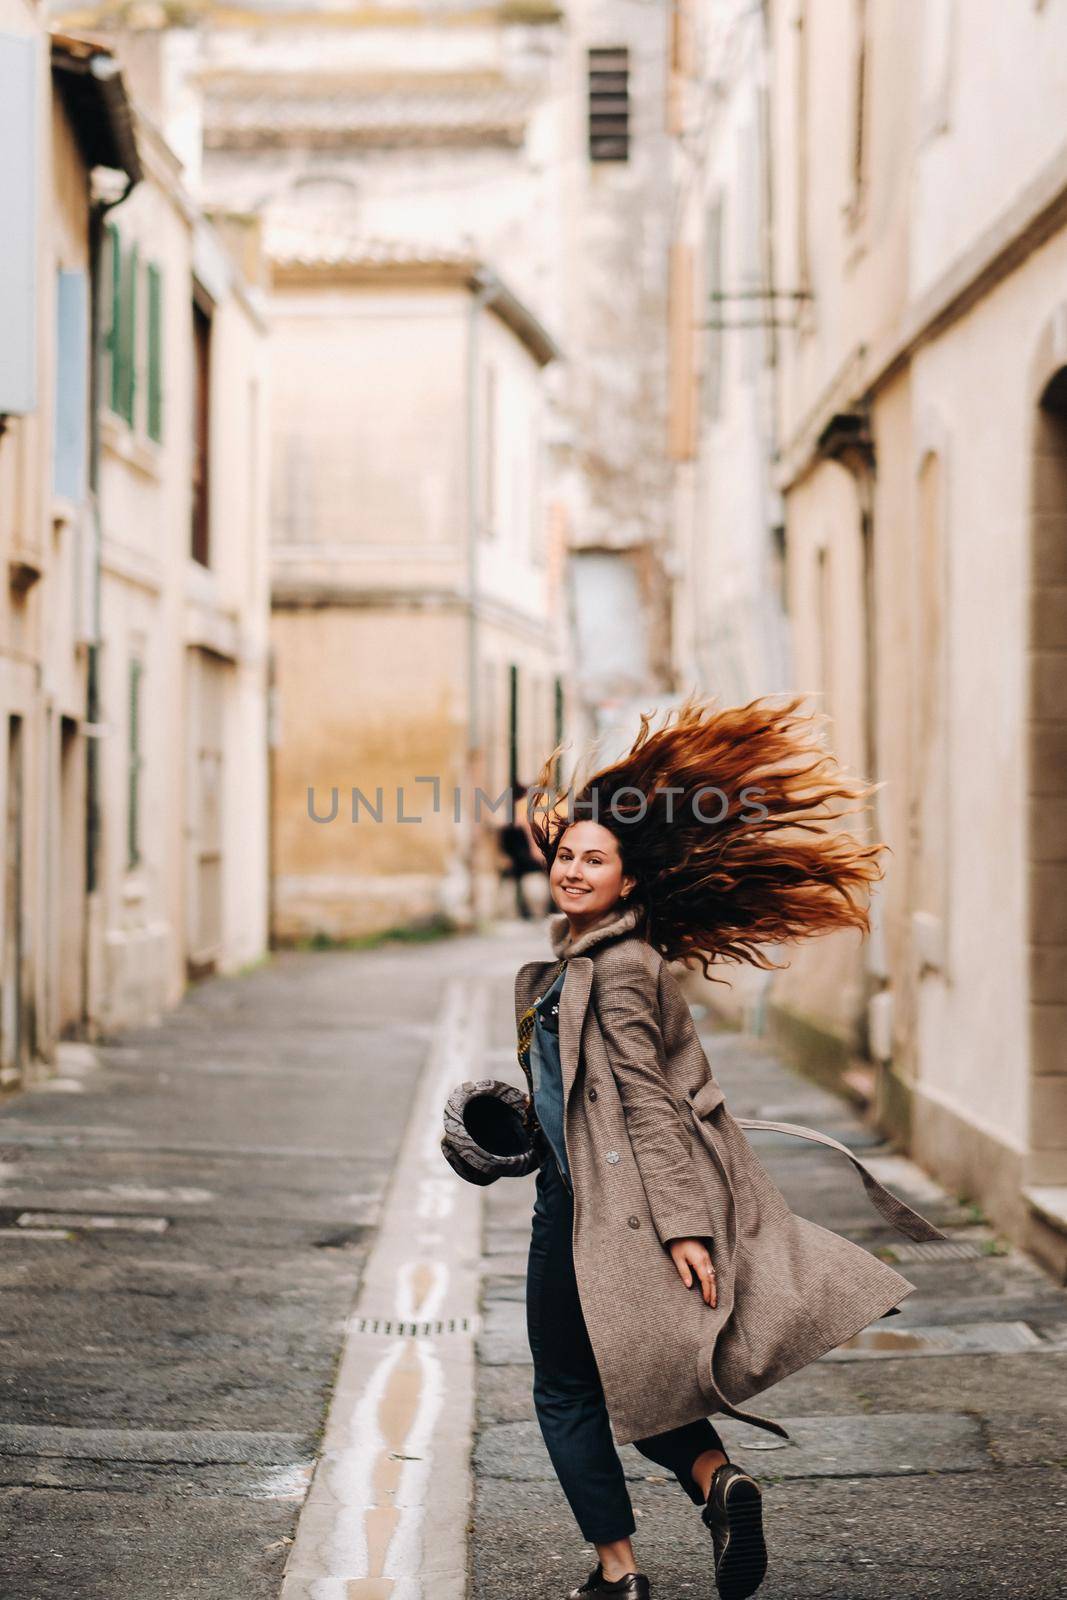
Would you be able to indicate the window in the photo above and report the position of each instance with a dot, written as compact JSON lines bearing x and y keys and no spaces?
{"x":131,"y":336}
{"x":154,"y":421}
{"x":133,"y":767}
{"x":122,"y":332}
{"x":72,"y":385}
{"x":200,"y":541}
{"x":20,"y":124}
{"x":609,"y":105}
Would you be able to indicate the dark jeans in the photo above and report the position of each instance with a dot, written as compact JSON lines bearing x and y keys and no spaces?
{"x":567,"y":1392}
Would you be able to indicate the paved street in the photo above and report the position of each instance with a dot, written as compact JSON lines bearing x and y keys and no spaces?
{"x":165,"y":1376}
{"x":193,"y":1228}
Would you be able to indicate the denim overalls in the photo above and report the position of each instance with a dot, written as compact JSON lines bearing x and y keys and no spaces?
{"x":567,"y":1392}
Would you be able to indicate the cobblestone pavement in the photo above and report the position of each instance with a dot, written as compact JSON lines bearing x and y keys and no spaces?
{"x":933,"y":1471}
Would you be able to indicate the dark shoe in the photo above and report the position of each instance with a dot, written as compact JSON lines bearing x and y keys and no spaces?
{"x":634,"y":1586}
{"x":734,"y":1517}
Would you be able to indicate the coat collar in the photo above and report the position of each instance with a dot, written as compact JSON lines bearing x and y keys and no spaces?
{"x":613,"y":924}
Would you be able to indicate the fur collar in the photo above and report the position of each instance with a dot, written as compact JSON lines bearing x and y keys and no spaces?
{"x":614,"y":923}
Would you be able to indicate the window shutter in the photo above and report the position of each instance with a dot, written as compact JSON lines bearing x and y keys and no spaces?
{"x":128,"y":330}
{"x":609,"y":104}
{"x":21,"y":157}
{"x":72,"y":385}
{"x":115,"y":319}
{"x":155,"y":352}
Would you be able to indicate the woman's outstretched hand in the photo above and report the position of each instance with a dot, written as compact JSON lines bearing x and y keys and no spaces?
{"x":693,"y":1260}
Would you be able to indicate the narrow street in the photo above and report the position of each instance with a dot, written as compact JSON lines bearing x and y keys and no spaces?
{"x":184,"y":1229}
{"x":230,"y":1247}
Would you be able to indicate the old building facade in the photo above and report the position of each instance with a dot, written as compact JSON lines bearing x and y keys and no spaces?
{"x":104,"y":608}
{"x":416,"y":587}
{"x":183,"y":598}
{"x":58,"y":124}
{"x":525,"y":144}
{"x":914,"y":238}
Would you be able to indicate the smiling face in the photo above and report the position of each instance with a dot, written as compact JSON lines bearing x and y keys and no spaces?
{"x":587,"y":877}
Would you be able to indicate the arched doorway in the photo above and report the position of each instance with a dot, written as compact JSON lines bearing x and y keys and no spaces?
{"x":1047,"y":787}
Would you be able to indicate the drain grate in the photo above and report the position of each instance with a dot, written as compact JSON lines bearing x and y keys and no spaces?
{"x":432,"y":1328}
{"x":939,"y":1250}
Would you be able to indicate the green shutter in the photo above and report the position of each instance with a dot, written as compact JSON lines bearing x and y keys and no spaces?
{"x":115,"y":317}
{"x":128,"y":361}
{"x":155,"y":352}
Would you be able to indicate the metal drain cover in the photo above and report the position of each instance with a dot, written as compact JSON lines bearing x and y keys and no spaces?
{"x":433,"y":1328}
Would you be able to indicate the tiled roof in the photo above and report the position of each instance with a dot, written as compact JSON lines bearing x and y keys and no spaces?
{"x":300,"y":247}
{"x":368,"y":114}
{"x":300,"y":241}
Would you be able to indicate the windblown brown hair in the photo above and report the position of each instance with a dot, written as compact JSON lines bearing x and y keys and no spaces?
{"x":775,"y":867}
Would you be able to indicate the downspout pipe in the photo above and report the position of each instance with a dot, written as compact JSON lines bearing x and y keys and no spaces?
{"x":98,"y":210}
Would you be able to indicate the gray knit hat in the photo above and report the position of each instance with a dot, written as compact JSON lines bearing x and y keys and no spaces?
{"x":490,"y":1132}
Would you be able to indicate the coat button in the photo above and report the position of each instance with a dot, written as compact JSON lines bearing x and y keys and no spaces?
{"x":635,"y":1222}
{"x":612,"y":1156}
{"x":592,"y":1094}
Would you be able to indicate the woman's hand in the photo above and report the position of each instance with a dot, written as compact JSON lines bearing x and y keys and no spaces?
{"x":691,"y":1257}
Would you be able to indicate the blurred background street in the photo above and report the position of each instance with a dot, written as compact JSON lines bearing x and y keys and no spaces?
{"x":391,"y":396}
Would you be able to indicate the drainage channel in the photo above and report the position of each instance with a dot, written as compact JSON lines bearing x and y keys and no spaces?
{"x":386,"y":1514}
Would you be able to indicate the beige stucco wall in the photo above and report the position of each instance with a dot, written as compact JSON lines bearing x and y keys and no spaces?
{"x":387,"y":466}
{"x":989,"y":84}
{"x":851,"y":252}
{"x":370,"y":700}
{"x":936,"y":305}
{"x":987,"y":429}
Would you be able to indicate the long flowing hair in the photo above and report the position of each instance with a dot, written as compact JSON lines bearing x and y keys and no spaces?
{"x":730,"y":820}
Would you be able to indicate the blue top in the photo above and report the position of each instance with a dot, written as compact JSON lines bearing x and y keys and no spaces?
{"x":546,"y":1071}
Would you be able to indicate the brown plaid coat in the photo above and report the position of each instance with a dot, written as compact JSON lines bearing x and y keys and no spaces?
{"x":655,"y":1155}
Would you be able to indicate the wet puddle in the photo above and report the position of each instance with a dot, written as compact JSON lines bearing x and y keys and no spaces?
{"x":968,"y":1338}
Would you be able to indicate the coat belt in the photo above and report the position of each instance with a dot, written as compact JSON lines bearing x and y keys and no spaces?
{"x":709,"y":1097}
{"x":893,"y":1209}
